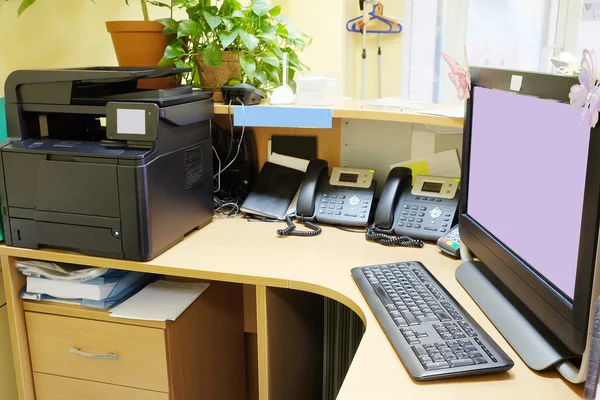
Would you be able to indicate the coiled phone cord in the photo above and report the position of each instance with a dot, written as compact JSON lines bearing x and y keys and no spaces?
{"x":375,"y":235}
{"x":315,"y":230}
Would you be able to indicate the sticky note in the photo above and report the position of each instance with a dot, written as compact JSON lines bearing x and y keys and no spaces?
{"x":418,"y":168}
{"x":515,"y":83}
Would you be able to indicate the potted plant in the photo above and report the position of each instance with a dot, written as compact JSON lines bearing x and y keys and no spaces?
{"x":224,"y":42}
{"x":138,"y":43}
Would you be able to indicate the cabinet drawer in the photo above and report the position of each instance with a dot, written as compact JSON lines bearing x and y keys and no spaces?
{"x":141,"y":360}
{"x":50,"y":387}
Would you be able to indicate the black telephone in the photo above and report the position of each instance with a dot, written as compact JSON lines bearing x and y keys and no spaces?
{"x":424,"y":211}
{"x":345,"y":198}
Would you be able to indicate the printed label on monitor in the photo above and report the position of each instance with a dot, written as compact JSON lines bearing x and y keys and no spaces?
{"x":131,"y":122}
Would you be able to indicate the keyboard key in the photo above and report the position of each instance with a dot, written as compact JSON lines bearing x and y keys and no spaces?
{"x":461,"y":363}
{"x":437,"y":358}
{"x":420,"y":351}
{"x":410,"y":318}
{"x":400,"y":322}
{"x":395,"y":314}
{"x":431,"y":318}
{"x":425,"y":359}
{"x":474,"y":354}
{"x":436,"y":365}
{"x":462,"y":355}
{"x":443,"y":317}
{"x":479,"y":360}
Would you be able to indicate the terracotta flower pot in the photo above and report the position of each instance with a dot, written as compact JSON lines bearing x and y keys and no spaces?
{"x":140,"y":44}
{"x":217,"y":77}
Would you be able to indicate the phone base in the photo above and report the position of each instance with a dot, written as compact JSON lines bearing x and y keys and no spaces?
{"x":533,"y":344}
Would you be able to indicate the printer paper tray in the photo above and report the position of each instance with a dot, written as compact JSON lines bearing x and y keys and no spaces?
{"x":93,"y":240}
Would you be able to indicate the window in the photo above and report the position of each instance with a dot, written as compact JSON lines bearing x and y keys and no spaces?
{"x":508,"y":34}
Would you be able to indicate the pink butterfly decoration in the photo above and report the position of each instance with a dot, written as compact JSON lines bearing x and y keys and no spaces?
{"x":459,"y":76}
{"x":587,"y":93}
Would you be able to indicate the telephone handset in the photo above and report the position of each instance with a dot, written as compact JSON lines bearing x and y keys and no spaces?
{"x":316,"y":176}
{"x":397,"y":181}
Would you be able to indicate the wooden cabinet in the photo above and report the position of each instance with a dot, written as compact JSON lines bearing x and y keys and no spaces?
{"x":85,"y":353}
{"x":8,"y":384}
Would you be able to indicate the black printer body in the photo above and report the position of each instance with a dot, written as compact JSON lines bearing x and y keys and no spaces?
{"x":96,"y":166}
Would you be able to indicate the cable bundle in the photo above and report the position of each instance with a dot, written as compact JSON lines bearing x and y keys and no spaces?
{"x":375,"y":235}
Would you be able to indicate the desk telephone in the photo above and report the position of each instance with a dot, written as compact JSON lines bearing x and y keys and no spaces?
{"x":345,"y":198}
{"x":425,"y":211}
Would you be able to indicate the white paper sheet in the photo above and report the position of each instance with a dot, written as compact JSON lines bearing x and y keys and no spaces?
{"x":458,"y":112}
{"x":160,"y":301}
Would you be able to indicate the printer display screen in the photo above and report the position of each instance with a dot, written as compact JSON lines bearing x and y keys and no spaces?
{"x":131,"y":122}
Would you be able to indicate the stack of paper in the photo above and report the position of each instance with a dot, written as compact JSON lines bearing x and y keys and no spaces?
{"x":100,"y":289}
{"x":160,"y":301}
{"x":445,"y":164}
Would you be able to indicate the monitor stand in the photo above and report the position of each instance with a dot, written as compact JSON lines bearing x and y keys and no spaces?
{"x":534,"y":346}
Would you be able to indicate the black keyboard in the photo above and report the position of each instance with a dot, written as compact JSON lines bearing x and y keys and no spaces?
{"x":433,"y":336}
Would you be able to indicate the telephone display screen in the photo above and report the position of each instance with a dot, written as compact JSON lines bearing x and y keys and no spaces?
{"x":346,"y":177}
{"x":433,"y":187}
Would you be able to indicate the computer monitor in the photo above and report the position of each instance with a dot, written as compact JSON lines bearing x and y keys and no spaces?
{"x":529,"y":213}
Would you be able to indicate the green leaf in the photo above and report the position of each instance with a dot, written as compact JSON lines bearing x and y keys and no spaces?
{"x":273,"y":73}
{"x":292,"y":84}
{"x":181,"y":64}
{"x":238,"y":14}
{"x":268,"y":29}
{"x":277,"y":50}
{"x":261,"y":77}
{"x":158,"y":4}
{"x":213,"y":21}
{"x":275,"y":11}
{"x":228,"y":24}
{"x":188,"y":27}
{"x":271,"y":60}
{"x":282,"y":20}
{"x":227,"y":38}
{"x":173,"y":52}
{"x":268,"y":38}
{"x":24,"y":6}
{"x":260,"y":8}
{"x":170,"y":25}
{"x":293,"y":33}
{"x":213,"y":55}
{"x":249,"y":40}
{"x":165,"y":62}
{"x":249,"y":66}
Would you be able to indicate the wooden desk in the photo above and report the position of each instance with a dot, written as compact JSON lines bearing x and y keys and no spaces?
{"x":250,"y":252}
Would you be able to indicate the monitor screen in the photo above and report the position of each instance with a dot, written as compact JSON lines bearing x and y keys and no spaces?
{"x":527,"y":176}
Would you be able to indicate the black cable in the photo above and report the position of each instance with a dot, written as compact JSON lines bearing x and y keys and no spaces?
{"x":341,"y":228}
{"x":315,"y":230}
{"x":375,"y":235}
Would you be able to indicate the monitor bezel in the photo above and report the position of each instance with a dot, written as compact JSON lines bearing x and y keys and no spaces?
{"x":566,"y":320}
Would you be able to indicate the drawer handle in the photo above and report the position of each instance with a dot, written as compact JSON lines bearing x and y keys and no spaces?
{"x":108,"y":356}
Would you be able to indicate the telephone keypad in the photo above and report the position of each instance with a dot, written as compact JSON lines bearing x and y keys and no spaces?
{"x":351,"y":208}
{"x":434,"y":216}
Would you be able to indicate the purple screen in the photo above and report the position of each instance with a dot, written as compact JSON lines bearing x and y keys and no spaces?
{"x":527,"y":179}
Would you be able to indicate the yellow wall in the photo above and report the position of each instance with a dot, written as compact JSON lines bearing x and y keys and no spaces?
{"x":67,"y":33}
{"x":60,"y":33}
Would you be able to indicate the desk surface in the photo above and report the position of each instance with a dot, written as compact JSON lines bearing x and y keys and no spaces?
{"x":352,"y":110}
{"x":250,"y":252}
